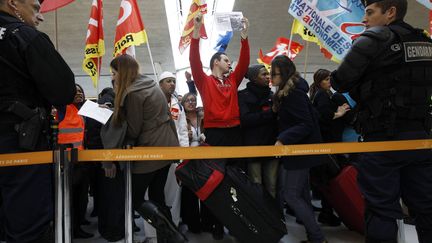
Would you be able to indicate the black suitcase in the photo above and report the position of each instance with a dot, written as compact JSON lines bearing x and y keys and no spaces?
{"x":249,"y":212}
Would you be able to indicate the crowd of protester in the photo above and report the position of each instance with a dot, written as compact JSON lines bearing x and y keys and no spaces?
{"x":277,"y":107}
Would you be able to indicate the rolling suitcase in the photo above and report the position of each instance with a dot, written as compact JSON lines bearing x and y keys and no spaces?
{"x":249,"y":212}
{"x":344,"y":196}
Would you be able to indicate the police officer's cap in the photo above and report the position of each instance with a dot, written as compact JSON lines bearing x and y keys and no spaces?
{"x":369,"y":2}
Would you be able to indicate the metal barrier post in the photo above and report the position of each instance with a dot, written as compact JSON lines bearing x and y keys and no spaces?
{"x":67,"y":194}
{"x":58,"y":182}
{"x":401,"y":231}
{"x":128,"y":203}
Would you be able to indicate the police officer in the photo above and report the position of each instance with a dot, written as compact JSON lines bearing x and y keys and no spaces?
{"x":389,"y":72}
{"x":33,"y":78}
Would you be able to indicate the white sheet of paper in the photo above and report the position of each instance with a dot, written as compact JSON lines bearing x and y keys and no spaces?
{"x":91,"y":109}
{"x":229,"y":21}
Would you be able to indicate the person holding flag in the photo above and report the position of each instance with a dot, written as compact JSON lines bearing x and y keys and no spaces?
{"x":219,"y":95}
{"x":388,"y":71}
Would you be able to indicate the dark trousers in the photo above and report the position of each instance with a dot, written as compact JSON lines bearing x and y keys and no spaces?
{"x":111,"y":205}
{"x":27,"y":193}
{"x":190,"y":209}
{"x":221,"y":137}
{"x":155,"y":182}
{"x":80,"y":187}
{"x":226,"y":137}
{"x":385,"y":177}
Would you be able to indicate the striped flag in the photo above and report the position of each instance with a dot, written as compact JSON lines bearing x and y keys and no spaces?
{"x":95,"y":45}
{"x":130,"y":30}
{"x":196,"y":7}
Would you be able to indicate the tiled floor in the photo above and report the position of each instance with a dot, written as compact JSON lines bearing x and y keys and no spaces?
{"x":295,"y":234}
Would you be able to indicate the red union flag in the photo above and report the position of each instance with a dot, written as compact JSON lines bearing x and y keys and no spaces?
{"x":281,"y":48}
{"x":196,"y":7}
{"x":130,"y":28}
{"x":51,"y":5}
{"x":95,"y":46}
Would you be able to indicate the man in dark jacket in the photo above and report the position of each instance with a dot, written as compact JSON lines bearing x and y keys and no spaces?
{"x":389,"y":73}
{"x":34,"y":77}
{"x":258,"y":125}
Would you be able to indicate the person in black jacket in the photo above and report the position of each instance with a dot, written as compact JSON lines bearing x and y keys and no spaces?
{"x":321,"y":95}
{"x":298,"y":124}
{"x":388,"y":72}
{"x":331,"y":127}
{"x":34,"y":77}
{"x":258,"y":125}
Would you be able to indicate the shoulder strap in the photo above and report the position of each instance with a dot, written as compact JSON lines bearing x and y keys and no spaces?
{"x":12,"y":29}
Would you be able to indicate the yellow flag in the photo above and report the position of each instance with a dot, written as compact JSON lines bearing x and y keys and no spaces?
{"x":95,"y":47}
{"x":307,"y":35}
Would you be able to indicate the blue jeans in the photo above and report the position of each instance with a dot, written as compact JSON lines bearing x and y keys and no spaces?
{"x":297,"y":196}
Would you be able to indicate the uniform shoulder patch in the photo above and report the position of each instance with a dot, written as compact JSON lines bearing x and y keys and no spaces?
{"x":418,"y":51}
{"x":2,"y":33}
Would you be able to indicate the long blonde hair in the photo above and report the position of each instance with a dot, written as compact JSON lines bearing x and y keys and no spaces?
{"x":289,"y":76}
{"x":127,"y":69}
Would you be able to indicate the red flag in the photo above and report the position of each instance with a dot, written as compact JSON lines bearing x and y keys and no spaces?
{"x":196,"y":7}
{"x":51,"y":5}
{"x":130,"y":28}
{"x":95,"y":46}
{"x":281,"y":48}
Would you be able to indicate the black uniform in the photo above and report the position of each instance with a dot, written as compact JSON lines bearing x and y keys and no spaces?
{"x":389,"y":73}
{"x":35,"y":75}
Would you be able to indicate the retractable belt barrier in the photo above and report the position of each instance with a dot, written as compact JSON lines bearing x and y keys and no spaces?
{"x":208,"y":152}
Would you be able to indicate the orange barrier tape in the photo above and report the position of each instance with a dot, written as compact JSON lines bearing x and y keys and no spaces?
{"x":208,"y":152}
{"x":31,"y":158}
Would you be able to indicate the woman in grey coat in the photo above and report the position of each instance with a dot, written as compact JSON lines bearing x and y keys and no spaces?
{"x":142,"y":105}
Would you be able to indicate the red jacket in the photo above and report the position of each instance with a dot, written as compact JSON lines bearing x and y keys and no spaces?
{"x":219,"y":99}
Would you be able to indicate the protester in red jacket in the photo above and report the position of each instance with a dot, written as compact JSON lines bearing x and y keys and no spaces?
{"x":219,"y":90}
{"x":219,"y":95}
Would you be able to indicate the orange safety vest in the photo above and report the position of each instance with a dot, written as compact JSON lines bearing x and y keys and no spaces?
{"x":71,"y":129}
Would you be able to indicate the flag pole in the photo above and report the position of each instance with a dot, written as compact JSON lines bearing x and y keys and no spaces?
{"x":151,"y":59}
{"x":99,"y":61}
{"x":306,"y":59}
{"x":56,"y":30}
{"x":290,"y":38}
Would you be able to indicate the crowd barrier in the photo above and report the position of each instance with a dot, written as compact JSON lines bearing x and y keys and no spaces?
{"x":63,"y":158}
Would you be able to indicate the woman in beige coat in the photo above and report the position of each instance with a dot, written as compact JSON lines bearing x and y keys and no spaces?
{"x":140,"y":102}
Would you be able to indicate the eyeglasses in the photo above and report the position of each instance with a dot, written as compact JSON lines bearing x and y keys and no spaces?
{"x":275,"y":74}
{"x":190,"y":101}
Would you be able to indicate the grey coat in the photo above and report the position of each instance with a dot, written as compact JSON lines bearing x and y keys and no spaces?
{"x":148,"y":120}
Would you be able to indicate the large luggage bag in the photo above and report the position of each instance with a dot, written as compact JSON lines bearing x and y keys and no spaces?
{"x":249,"y":212}
{"x":344,"y":195}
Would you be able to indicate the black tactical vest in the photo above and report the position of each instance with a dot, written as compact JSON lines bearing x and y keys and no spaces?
{"x":397,"y":97}
{"x":16,"y":83}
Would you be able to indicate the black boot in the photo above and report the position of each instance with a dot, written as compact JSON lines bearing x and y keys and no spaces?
{"x":47,"y":236}
{"x":329,"y":219}
{"x":372,"y":240}
{"x":165,"y":228}
{"x":424,"y":236}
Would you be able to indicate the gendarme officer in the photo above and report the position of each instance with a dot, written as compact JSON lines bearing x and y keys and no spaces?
{"x":33,"y":78}
{"x":389,"y":73}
